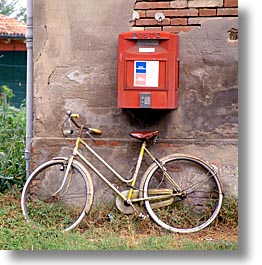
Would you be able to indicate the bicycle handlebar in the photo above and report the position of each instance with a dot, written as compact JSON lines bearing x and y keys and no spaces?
{"x":73,"y":116}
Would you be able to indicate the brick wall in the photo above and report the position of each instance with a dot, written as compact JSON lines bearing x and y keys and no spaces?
{"x":180,"y":15}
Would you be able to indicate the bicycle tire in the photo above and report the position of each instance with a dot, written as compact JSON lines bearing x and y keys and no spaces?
{"x":197,"y":207}
{"x":65,"y":210}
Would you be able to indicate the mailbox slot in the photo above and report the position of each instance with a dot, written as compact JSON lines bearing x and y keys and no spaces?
{"x":145,"y":100}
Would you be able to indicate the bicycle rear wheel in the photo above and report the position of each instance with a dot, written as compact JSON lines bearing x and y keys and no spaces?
{"x":43,"y":206}
{"x":192,"y":208}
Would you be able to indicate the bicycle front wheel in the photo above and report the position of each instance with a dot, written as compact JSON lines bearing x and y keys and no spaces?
{"x":49,"y":201}
{"x":187,"y":202}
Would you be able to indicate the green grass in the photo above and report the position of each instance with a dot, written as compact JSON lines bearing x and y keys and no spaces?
{"x":98,"y":232}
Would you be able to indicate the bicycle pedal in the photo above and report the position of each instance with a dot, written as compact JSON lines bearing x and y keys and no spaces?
{"x":142,"y":216}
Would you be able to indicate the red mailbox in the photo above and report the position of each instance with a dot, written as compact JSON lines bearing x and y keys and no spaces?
{"x":148,"y":70}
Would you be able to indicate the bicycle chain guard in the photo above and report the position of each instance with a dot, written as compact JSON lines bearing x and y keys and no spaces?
{"x":120,"y":203}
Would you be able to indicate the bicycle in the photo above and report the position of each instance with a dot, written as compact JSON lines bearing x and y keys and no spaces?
{"x":181,"y":193}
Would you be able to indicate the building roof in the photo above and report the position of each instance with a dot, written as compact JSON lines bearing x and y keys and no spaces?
{"x":11,"y":27}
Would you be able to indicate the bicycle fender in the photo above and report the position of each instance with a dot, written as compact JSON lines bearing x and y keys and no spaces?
{"x":60,"y":158}
{"x":74,"y":162}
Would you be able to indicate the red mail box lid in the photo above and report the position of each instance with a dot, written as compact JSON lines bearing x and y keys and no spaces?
{"x":134,"y":35}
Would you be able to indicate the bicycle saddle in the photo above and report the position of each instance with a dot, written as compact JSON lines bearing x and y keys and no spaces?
{"x":144,"y":135}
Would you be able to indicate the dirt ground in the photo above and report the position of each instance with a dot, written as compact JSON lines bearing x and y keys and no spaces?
{"x":213,"y":234}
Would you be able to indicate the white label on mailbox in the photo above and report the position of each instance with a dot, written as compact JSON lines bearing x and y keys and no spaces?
{"x":146,"y":73}
{"x":146,"y":49}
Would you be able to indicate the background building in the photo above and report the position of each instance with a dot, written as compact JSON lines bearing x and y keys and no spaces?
{"x":13,"y":57}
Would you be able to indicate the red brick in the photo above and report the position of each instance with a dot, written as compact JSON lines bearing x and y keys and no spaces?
{"x":150,"y":5}
{"x":151,"y":13}
{"x":113,"y":143}
{"x":152,"y":22}
{"x":207,"y":12}
{"x":199,"y":20}
{"x":165,"y":145}
{"x":230,"y":3}
{"x":142,"y":13}
{"x":178,"y":4}
{"x":205,"y":3}
{"x":100,"y":143}
{"x":153,"y":28}
{"x":173,"y":13}
{"x":137,"y":28}
{"x":227,"y":12}
{"x":181,"y":13}
{"x":179,"y":21}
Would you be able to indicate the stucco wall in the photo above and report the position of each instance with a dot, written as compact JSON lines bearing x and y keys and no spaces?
{"x":75,"y":62}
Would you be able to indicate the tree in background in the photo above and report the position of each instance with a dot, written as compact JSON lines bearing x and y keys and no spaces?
{"x":11,"y":8}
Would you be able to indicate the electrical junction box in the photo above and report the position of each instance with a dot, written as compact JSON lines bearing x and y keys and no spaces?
{"x":148,"y":70}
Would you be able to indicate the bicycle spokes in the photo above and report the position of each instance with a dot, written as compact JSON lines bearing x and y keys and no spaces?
{"x":52,"y":199}
{"x":191,"y":208}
